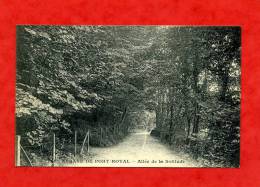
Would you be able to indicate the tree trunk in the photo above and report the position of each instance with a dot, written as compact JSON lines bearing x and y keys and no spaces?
{"x":196,"y":120}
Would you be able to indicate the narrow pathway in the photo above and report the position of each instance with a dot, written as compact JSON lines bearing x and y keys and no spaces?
{"x":137,"y":150}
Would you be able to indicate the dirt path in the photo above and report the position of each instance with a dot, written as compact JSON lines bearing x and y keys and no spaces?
{"x":137,"y":150}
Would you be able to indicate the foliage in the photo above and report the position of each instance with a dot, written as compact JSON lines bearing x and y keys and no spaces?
{"x":198,"y":90}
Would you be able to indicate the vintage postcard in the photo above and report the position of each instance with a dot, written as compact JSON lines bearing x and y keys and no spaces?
{"x":128,"y":96}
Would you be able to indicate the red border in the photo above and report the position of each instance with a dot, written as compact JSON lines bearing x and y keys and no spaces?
{"x":112,"y":12}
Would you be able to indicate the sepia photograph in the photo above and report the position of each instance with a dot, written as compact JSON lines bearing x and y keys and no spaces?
{"x":128,"y":96}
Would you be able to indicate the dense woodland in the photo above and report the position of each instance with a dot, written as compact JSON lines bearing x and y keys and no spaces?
{"x":80,"y":77}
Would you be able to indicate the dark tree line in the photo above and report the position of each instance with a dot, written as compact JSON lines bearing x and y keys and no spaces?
{"x":198,"y":91}
{"x":71,"y":78}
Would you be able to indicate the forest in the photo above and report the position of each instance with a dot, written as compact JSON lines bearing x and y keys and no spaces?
{"x":75,"y":78}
